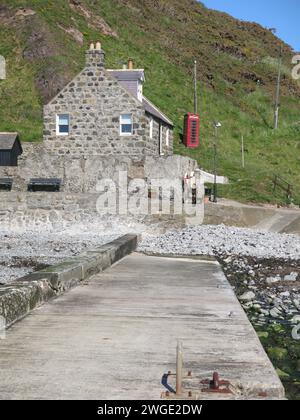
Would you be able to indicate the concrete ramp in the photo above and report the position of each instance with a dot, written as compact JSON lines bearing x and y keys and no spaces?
{"x":279,"y":222}
{"x":115,"y":338}
{"x":210,"y":178}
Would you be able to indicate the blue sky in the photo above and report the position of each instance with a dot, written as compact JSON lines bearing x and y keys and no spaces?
{"x":281,"y":14}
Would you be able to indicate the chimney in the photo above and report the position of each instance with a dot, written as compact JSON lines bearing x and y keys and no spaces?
{"x":95,"y":56}
{"x":130,"y":64}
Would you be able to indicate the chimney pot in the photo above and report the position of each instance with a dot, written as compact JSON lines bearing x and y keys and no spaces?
{"x":95,"y":56}
{"x":130,"y":64}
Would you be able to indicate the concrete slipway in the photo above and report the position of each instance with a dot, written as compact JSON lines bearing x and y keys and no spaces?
{"x":115,"y":337}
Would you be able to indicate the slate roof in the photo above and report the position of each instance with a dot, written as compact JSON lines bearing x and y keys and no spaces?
{"x":128,"y":75}
{"x":7,"y":140}
{"x":134,"y":75}
{"x":153,"y":110}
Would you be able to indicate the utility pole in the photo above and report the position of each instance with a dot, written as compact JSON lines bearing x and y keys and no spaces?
{"x":243,"y":152}
{"x":277,"y":98}
{"x":195,"y":89}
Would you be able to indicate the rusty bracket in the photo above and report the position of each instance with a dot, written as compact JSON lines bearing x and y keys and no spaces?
{"x":189,"y":375}
{"x":186,"y":395}
{"x":216,"y":385}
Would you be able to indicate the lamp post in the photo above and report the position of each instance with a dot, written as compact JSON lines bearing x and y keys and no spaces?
{"x":217,"y":125}
{"x":277,"y":97}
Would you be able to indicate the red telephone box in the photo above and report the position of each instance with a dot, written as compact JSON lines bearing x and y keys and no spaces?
{"x":191,"y":130}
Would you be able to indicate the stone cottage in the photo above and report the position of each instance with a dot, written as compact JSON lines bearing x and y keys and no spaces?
{"x":104,"y":113}
{"x":98,"y":126}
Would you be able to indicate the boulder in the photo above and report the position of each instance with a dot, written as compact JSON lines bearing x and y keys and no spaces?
{"x":247,"y":296}
{"x":291,"y":277}
{"x":272,"y":280}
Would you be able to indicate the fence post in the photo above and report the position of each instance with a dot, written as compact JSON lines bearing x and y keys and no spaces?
{"x":275,"y":183}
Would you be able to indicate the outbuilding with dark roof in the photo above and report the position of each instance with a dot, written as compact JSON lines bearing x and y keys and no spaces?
{"x":10,"y":149}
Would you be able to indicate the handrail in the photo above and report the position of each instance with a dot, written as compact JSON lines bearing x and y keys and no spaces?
{"x":284,"y":185}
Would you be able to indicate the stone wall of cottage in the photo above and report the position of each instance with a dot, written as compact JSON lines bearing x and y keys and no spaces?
{"x":167,"y":149}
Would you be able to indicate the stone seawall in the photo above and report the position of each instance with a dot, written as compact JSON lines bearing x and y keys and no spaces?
{"x":77,"y":200}
{"x":57,"y":211}
{"x":20,"y":210}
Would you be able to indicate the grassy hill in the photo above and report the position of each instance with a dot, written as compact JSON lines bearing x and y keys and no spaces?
{"x":44,"y":43}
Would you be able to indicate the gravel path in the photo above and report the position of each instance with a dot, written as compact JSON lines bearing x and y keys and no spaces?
{"x":215,"y":240}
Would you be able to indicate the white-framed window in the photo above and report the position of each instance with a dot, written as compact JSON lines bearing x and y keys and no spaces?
{"x":161,"y":140}
{"x":62,"y":124}
{"x":140,"y":91}
{"x":167,"y":137}
{"x":151,"y":128}
{"x":126,"y":125}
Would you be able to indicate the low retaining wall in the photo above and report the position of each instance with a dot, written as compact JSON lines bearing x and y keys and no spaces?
{"x":293,"y":228}
{"x":236,"y":215}
{"x":22,"y":296}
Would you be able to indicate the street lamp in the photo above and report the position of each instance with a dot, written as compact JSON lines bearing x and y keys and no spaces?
{"x":217,"y":125}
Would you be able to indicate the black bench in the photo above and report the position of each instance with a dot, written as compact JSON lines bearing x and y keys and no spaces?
{"x":6,"y":184}
{"x":44,"y":184}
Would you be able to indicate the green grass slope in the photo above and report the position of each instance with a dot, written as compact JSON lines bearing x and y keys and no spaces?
{"x":44,"y":44}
